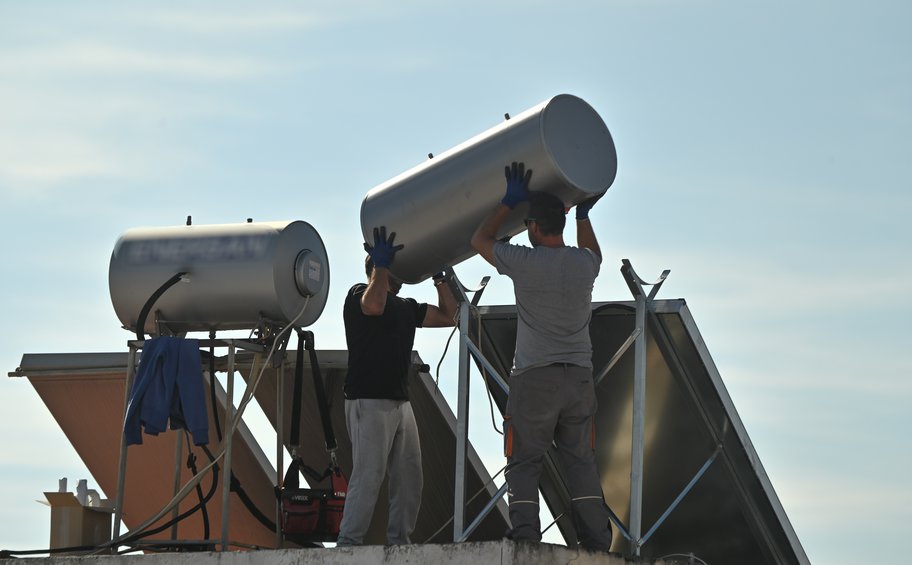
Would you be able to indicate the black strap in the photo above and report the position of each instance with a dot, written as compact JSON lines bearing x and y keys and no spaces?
{"x":307,"y":338}
{"x":306,"y":341}
{"x":296,"y":395}
{"x":297,"y":465}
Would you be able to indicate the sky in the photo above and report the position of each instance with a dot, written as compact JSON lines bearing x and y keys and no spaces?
{"x":763,"y":157}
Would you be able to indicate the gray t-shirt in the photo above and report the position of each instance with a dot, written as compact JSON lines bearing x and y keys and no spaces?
{"x":553,"y":288}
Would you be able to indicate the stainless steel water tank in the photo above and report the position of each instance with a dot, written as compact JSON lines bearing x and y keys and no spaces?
{"x":237,"y":275}
{"x":435,"y":207}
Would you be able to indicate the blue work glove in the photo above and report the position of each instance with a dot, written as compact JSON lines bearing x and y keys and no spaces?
{"x":583,"y":208}
{"x":383,"y":251}
{"x":517,"y":185}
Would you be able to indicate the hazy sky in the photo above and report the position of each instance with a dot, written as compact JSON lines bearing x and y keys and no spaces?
{"x":763,"y":152}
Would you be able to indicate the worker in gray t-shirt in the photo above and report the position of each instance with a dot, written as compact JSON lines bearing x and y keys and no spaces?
{"x":552,"y":395}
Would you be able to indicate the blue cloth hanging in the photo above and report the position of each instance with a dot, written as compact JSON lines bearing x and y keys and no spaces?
{"x":168,"y":386}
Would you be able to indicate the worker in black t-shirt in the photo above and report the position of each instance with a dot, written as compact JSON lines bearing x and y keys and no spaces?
{"x":380,"y":332}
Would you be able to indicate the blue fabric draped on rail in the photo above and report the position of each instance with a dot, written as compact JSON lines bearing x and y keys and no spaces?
{"x":168,"y":385}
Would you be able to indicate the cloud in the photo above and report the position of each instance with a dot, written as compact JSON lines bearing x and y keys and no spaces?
{"x":246,"y":22}
{"x":840,"y":372}
{"x":76,"y":58}
{"x":59,"y":127}
{"x":38,"y":163}
{"x":27,"y":160}
{"x":235,"y":20}
{"x":829,"y":501}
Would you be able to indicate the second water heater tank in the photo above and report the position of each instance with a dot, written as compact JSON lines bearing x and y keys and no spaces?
{"x":435,"y":207}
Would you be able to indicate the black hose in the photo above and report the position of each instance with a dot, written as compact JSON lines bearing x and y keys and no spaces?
{"x":215,"y":414}
{"x":250,"y":505}
{"x":147,"y":307}
{"x":244,"y":497}
{"x":169,"y":523}
{"x":191,"y":464}
{"x":235,"y":484}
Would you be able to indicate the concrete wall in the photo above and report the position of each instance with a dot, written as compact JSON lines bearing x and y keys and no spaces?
{"x":503,"y":552}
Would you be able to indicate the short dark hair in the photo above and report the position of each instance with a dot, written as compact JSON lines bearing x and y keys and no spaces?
{"x":548,"y":212}
{"x":368,"y":266}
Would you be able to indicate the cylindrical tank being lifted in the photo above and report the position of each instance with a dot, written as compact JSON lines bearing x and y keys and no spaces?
{"x":435,"y":207}
{"x":238,"y":275}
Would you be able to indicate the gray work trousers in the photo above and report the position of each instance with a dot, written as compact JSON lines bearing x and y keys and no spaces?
{"x":555,"y":403}
{"x":384,"y":438}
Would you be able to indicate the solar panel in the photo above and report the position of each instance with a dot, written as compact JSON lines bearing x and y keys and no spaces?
{"x":732,"y":513}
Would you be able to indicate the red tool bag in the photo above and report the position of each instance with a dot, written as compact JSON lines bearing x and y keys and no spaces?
{"x":311,"y":515}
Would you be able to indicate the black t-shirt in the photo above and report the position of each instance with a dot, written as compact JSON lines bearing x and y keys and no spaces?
{"x":380,"y":347}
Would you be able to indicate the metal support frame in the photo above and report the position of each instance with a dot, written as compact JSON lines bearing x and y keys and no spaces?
{"x":638,"y":336}
{"x":635,"y":283}
{"x":462,"y":420}
{"x":229,"y":443}
{"x":134,"y":347}
{"x":639,"y":423}
{"x":280,"y":451}
{"x":122,"y":464}
{"x":618,"y":354}
{"x":483,"y":514}
{"x":683,"y":493}
{"x":637,"y":339}
{"x":466,"y":348}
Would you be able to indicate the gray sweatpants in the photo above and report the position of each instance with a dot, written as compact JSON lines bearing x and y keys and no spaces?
{"x":384,"y":438}
{"x":555,"y":403}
